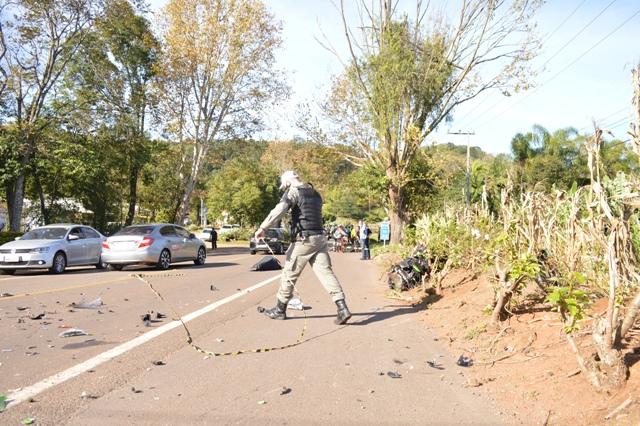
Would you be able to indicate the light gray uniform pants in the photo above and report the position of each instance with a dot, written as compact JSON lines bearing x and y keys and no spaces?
{"x":313,"y":250}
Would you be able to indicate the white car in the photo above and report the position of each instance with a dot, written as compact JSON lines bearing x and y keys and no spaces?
{"x":53,"y":247}
{"x":205,"y":235}
{"x":227,"y":228}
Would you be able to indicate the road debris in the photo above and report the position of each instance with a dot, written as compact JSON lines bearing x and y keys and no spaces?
{"x":7,"y":350}
{"x":3,"y":403}
{"x":394,"y":374}
{"x":295,"y":304}
{"x":219,"y":340}
{"x":28,"y":421}
{"x":434,"y":364}
{"x":87,"y":395}
{"x":22,"y":308}
{"x":262,"y":402}
{"x":463,"y":361}
{"x":285,"y":391}
{"x":472,"y":383}
{"x":158,"y":363}
{"x":73,"y":332}
{"x":213,"y":288}
{"x":5,"y":295}
{"x":146,"y":319}
{"x":134,"y":390}
{"x":37,"y":317}
{"x":619,"y":408}
{"x":94,"y":304}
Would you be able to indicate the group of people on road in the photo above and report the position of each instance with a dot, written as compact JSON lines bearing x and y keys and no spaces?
{"x":358,"y":237}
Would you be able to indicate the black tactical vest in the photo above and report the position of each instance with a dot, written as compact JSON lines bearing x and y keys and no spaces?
{"x":306,"y":215}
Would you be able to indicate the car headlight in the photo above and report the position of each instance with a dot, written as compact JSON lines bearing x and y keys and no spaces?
{"x":40,"y":250}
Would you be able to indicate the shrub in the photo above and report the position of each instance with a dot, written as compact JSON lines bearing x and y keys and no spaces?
{"x":6,"y":237}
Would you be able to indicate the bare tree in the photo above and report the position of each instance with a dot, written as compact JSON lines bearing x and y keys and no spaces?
{"x":218,"y":74}
{"x":405,"y":76}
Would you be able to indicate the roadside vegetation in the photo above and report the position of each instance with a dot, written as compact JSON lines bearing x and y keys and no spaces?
{"x":133,"y":121}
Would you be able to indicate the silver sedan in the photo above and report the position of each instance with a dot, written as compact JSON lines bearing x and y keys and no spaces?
{"x":153,"y":244}
{"x":53,"y":247}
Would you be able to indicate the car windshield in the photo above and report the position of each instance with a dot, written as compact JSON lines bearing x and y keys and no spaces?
{"x":45,"y":234}
{"x":272,"y":233}
{"x":135,"y":230}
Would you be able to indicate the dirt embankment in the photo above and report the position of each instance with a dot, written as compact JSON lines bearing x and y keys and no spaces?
{"x":526,"y":365}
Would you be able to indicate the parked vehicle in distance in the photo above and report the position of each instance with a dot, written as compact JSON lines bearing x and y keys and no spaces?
{"x":53,"y":247}
{"x":227,"y":228}
{"x":205,"y":235}
{"x":159,"y":244}
{"x":275,"y":240}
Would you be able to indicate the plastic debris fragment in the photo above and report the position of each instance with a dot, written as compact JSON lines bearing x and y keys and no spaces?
{"x":94,"y":304}
{"x":73,"y":332}
{"x":296,"y":304}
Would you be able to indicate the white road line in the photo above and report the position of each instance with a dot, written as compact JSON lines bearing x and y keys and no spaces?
{"x":33,"y":390}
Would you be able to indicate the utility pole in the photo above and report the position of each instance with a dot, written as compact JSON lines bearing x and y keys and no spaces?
{"x":468,"y":174}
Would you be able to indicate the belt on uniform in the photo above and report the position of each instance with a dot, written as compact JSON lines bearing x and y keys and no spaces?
{"x":310,"y":233}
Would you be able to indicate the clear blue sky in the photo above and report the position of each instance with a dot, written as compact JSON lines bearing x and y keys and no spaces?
{"x":597,"y":86}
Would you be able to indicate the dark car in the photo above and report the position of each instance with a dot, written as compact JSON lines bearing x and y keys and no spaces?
{"x":275,"y":238}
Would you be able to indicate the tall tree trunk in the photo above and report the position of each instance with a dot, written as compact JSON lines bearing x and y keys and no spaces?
{"x":183,"y":209}
{"x":15,"y":201}
{"x":43,"y":202}
{"x":133,"y":192}
{"x":396,"y":212}
{"x":199,"y":153}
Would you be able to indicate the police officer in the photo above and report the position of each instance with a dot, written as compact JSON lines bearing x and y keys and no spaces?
{"x":309,"y":244}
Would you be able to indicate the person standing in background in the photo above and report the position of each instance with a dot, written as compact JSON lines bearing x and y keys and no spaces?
{"x":214,"y":239}
{"x":365,"y":232}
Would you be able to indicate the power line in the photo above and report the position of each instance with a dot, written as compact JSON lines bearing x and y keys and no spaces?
{"x":566,"y":67}
{"x":576,"y":35}
{"x":563,"y":22}
{"x":553,"y":56}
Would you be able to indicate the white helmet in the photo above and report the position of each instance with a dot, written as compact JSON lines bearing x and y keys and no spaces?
{"x":286,"y":178}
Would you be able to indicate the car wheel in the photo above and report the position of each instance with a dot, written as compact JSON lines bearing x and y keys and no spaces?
{"x":113,"y":267}
{"x":253,"y":252}
{"x":59,"y":263}
{"x":101,"y":264}
{"x":164,"y":261}
{"x":8,"y":271}
{"x":202,"y":256}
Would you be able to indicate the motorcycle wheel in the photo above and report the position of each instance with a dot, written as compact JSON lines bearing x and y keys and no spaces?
{"x":396,"y":282}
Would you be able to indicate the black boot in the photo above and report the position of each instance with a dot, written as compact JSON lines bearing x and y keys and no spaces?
{"x":278,"y":312}
{"x":343,"y":312}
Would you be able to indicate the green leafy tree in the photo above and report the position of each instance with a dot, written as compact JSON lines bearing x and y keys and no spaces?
{"x":45,"y":37}
{"x":113,"y":78}
{"x":406,"y":76}
{"x":245,"y":191}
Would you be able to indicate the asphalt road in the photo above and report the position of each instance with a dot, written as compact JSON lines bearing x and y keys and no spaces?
{"x":339,"y":375}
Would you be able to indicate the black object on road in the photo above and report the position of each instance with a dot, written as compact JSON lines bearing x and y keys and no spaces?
{"x":267,"y":263}
{"x":463,"y":361}
{"x":394,"y":375}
